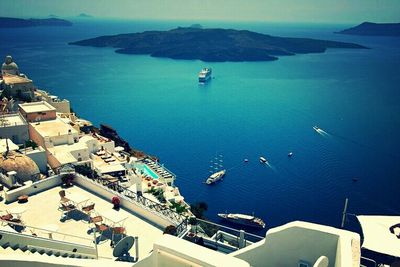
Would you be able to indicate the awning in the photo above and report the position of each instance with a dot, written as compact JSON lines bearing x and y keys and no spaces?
{"x":381,"y":233}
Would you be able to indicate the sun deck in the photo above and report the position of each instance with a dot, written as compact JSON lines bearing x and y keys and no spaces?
{"x":41,"y":210}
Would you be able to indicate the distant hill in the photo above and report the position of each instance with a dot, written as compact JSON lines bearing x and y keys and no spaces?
{"x":196,"y":26}
{"x":377,"y":29}
{"x":84,"y":16}
{"x":212,"y":44}
{"x":19,"y":23}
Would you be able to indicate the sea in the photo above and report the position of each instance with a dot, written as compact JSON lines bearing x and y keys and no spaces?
{"x":248,"y":110}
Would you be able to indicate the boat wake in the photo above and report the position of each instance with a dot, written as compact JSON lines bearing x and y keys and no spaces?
{"x":321,"y":132}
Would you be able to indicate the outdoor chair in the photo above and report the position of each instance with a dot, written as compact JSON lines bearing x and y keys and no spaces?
{"x":63,"y":198}
{"x":66,"y":208}
{"x":101,"y":228}
{"x":117,"y":231}
{"x":12,"y":221}
{"x":88,"y":209}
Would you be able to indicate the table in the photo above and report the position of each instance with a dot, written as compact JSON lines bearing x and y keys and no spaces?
{"x":17,"y":211}
{"x":115,"y":217}
{"x":49,"y":229}
{"x":23,"y":198}
{"x":77,"y":199}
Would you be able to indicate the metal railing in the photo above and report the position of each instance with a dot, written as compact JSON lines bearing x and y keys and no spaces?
{"x":47,"y":236}
{"x":219,"y":237}
{"x":161,"y":209}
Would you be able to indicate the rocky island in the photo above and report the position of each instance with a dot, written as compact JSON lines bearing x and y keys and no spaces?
{"x":376,"y":29}
{"x":20,"y":23}
{"x":212,"y":45}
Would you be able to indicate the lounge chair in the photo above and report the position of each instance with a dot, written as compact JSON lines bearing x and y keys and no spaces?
{"x":117,"y":231}
{"x":101,"y":228}
{"x":63,"y":198}
{"x":66,"y":208}
{"x":88,"y":209}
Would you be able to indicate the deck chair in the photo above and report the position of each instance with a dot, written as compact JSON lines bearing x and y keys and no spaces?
{"x":88,"y":210}
{"x":63,"y":198}
{"x":101,"y":228}
{"x":66,"y":208}
{"x":117,"y":231}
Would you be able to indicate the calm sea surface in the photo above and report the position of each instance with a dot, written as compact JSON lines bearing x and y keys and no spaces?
{"x":248,"y":110}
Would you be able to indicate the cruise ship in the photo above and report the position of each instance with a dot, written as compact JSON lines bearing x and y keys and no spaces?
{"x":215,"y":177}
{"x":243,"y":219}
{"x":205,"y":75}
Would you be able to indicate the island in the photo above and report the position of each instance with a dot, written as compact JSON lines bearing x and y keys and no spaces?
{"x":21,"y":23}
{"x":212,"y":45}
{"x":374,"y":29}
{"x":84,"y":16}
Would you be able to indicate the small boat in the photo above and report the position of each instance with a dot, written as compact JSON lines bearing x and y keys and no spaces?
{"x":246,"y":160}
{"x":215,"y":177}
{"x":263,"y":160}
{"x":290,"y":154}
{"x":316,"y":128}
{"x":205,"y":75}
{"x":243,"y":219}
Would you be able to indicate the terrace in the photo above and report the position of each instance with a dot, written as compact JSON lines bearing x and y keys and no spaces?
{"x":42,"y":212}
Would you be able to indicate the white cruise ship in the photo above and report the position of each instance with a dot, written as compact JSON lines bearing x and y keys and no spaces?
{"x":205,"y":75}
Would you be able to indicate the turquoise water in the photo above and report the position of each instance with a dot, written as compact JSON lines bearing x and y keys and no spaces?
{"x":248,"y":110}
{"x":149,"y":172}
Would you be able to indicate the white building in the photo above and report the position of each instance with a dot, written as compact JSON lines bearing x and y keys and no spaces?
{"x":13,"y":126}
{"x":38,"y":155}
{"x":53,"y":133}
{"x":77,"y":154}
{"x":61,"y":105}
{"x":7,"y":145}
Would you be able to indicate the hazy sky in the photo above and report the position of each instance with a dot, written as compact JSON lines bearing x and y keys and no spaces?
{"x":337,"y":11}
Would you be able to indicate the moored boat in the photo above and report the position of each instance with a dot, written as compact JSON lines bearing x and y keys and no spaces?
{"x":243,"y":219}
{"x":215,"y":177}
{"x":205,"y":75}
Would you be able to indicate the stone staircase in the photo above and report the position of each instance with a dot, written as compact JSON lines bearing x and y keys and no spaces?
{"x":16,"y":249}
{"x":16,"y":243}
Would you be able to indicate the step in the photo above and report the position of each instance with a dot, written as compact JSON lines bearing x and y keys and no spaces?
{"x":5,"y":245}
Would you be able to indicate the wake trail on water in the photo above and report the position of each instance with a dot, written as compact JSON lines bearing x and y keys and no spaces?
{"x":365,"y":146}
{"x":323,"y":133}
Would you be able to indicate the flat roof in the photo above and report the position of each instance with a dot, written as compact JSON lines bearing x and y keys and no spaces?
{"x":14,"y":119}
{"x":11,"y":145}
{"x":34,"y":107}
{"x":49,"y":200}
{"x":63,"y":152}
{"x":13,"y":79}
{"x":53,"y":128}
{"x":105,"y":168}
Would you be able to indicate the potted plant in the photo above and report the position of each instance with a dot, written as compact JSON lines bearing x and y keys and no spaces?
{"x":116,"y":202}
{"x":170,"y":230}
{"x":67,"y":179}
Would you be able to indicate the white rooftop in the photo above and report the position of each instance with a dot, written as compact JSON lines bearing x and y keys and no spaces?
{"x":381,"y":233}
{"x":63,"y":152}
{"x":107,"y":168}
{"x":53,"y":128}
{"x":11,"y":145}
{"x":34,"y":107}
{"x":42,"y":209}
{"x":9,"y":120}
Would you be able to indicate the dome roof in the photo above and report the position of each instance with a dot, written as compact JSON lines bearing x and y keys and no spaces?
{"x":9,"y":64}
{"x":25,"y":167}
